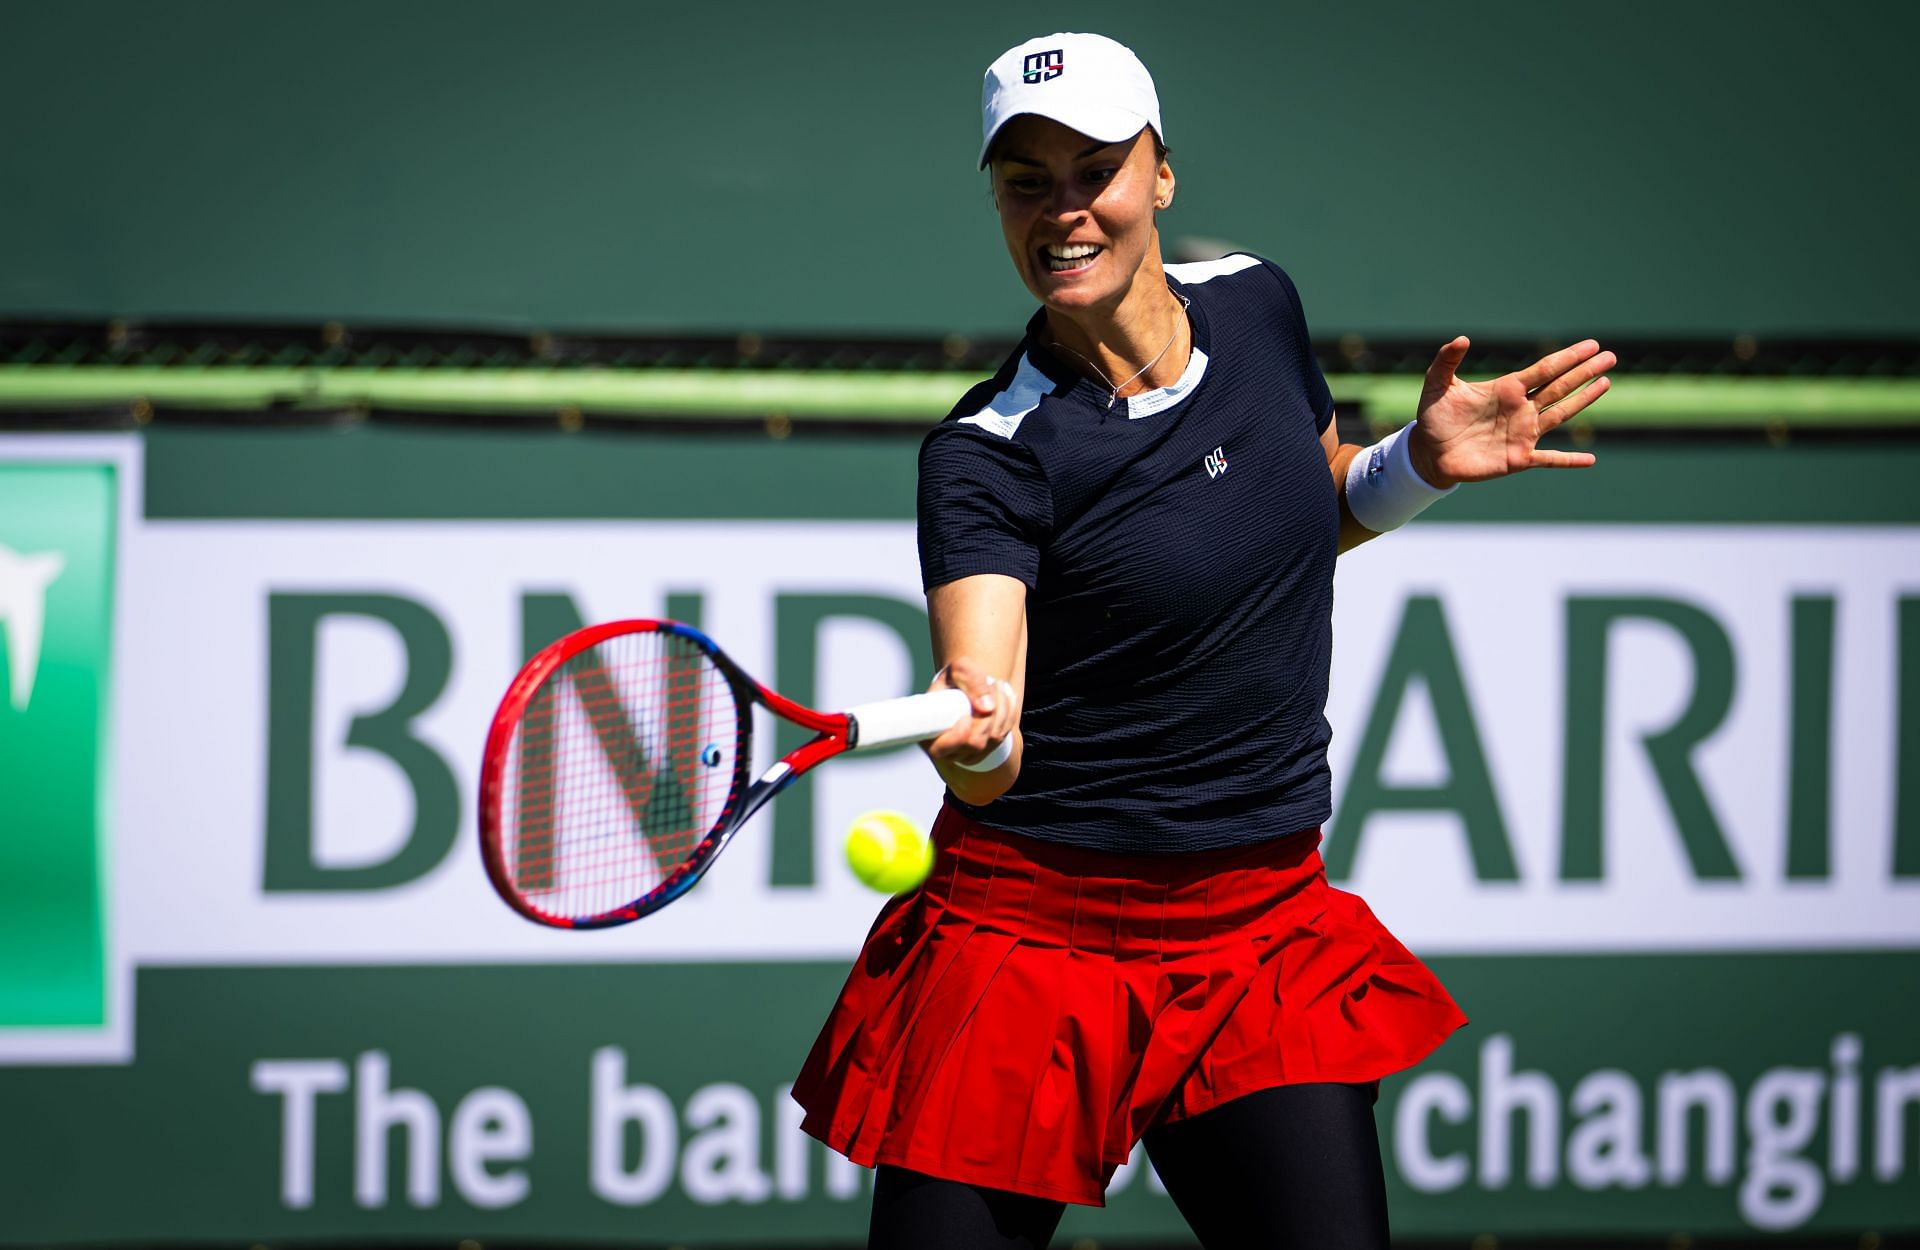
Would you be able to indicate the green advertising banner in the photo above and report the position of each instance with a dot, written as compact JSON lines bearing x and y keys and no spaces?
{"x":1632,"y":757}
{"x":1627,"y":1095}
{"x":57,"y":522}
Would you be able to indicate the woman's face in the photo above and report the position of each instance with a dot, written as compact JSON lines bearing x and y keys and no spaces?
{"x":1077,"y":214}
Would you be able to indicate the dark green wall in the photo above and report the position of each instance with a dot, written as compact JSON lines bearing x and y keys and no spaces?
{"x":1497,"y":168}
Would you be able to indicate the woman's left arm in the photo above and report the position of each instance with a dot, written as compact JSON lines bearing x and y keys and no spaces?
{"x":1477,"y":431}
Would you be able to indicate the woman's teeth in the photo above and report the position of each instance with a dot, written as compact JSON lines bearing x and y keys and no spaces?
{"x":1076,"y":256}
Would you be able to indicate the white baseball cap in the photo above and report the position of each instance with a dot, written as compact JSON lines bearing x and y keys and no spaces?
{"x":1088,"y":83}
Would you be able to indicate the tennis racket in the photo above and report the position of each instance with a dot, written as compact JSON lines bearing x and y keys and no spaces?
{"x":618,"y":767}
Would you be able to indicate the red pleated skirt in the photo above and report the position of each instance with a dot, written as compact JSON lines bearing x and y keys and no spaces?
{"x":1020,"y":1020}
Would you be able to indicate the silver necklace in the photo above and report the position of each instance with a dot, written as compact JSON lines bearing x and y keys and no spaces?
{"x":1113,"y":391}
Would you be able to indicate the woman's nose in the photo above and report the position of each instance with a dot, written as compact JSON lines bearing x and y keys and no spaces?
{"x":1067,"y":202}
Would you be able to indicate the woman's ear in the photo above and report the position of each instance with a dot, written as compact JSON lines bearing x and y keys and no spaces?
{"x":1164,"y":186}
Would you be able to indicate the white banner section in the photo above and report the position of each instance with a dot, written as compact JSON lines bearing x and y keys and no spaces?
{"x":1498,"y":604}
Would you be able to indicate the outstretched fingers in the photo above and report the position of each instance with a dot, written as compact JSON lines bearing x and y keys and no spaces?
{"x":1543,"y":459}
{"x":1566,"y":409}
{"x":1446,"y":362}
{"x":1550,"y":367}
{"x":1573,"y":379}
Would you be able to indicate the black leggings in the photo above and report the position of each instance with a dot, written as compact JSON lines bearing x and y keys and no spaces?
{"x":1297,"y":1166}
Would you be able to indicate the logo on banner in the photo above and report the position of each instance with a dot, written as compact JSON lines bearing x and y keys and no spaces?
{"x":23,"y":612}
{"x":1043,"y":66}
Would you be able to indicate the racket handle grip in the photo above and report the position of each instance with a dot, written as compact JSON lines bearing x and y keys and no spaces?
{"x":915,"y":718}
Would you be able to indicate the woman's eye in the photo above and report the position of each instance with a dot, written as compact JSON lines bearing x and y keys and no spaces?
{"x":1101,"y":175}
{"x":1023,"y":186}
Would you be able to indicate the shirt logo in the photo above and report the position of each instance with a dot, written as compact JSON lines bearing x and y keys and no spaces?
{"x":1215,"y":462}
{"x":1043,"y":66}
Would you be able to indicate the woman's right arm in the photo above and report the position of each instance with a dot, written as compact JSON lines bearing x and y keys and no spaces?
{"x":980,"y":645}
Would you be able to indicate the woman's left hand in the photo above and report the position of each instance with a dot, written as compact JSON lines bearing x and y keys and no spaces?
{"x":1474,"y":431}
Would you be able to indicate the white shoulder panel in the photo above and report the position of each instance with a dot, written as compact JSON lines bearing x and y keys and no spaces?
{"x":1010,"y":407}
{"x":1202,"y":270}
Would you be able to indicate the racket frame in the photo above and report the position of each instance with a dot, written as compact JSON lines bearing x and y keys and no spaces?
{"x":834,"y":733}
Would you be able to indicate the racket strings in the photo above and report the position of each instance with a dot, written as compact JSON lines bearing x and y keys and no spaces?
{"x":623,"y":762}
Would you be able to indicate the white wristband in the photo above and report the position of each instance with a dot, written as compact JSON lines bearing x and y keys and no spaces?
{"x":996,"y":757}
{"x":1384,"y":490}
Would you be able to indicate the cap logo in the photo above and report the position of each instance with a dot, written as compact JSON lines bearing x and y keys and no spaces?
{"x":1043,"y":66}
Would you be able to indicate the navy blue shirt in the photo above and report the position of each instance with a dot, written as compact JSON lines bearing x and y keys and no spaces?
{"x":1179,"y":549}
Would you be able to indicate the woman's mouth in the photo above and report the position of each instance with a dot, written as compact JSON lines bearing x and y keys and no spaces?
{"x":1068,"y":257}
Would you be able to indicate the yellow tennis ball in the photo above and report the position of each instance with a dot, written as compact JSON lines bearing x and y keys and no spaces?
{"x":888,"y":852}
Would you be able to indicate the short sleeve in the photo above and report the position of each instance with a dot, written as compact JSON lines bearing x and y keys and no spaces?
{"x":984,"y":507}
{"x":1312,"y":382}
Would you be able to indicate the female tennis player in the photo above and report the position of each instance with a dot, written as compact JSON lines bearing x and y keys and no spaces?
{"x":1127,"y":538}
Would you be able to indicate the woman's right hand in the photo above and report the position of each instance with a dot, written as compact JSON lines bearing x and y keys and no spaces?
{"x":996,"y":713}
{"x":979,"y":628}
